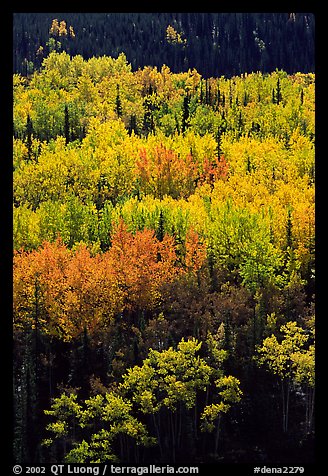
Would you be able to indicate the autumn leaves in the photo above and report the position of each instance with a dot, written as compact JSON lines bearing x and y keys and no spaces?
{"x":163,"y":230}
{"x":76,"y":290}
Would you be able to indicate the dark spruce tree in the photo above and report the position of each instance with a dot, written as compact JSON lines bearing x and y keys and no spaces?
{"x":216,"y":43}
{"x":28,"y":135}
{"x":66,"y":125}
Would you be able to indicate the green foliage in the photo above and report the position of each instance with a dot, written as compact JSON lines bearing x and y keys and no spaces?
{"x":294,"y":364}
{"x":160,"y":217}
{"x":169,"y":377}
{"x":229,"y":394}
{"x":165,"y":380}
{"x":282,"y":357}
{"x":112,"y":411}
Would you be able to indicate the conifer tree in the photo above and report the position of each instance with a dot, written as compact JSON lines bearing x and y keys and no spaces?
{"x":29,"y":134}
{"x":185,"y":113}
{"x":66,"y":125}
{"x":118,"y":103}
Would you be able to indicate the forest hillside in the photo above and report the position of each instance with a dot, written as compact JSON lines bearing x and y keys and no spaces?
{"x":164,"y":240}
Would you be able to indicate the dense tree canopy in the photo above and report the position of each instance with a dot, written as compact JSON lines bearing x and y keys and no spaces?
{"x":164,"y":237}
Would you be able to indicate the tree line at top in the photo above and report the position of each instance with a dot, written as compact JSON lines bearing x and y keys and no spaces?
{"x":214,"y":43}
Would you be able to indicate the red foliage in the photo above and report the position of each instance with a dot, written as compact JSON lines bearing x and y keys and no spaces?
{"x":214,"y":170}
{"x":72,"y":291}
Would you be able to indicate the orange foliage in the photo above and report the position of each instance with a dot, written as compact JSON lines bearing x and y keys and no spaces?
{"x":163,"y":172}
{"x":65,"y":292}
{"x":214,"y":169}
{"x":195,"y":251}
{"x":39,"y":280}
{"x":140,"y":264}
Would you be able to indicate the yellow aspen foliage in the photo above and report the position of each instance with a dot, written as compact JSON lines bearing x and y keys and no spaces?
{"x":54,"y":29}
{"x":62,"y":28}
{"x":71,"y":32}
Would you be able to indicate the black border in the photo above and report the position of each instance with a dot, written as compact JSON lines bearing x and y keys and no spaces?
{"x":6,"y":234}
